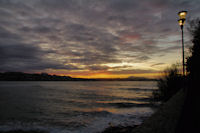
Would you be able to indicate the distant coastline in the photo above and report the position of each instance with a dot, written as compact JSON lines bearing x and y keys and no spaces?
{"x":20,"y":76}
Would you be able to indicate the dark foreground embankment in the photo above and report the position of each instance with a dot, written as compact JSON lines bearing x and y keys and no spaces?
{"x":163,"y":121}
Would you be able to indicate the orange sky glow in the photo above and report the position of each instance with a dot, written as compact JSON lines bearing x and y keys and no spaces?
{"x":102,"y":74}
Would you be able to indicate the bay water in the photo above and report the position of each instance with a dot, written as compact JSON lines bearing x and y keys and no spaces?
{"x":73,"y":107}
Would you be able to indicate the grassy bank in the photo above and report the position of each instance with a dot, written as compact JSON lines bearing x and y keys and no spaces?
{"x":163,"y":121}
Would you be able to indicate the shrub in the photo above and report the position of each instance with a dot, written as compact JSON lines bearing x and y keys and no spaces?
{"x":168,"y":85}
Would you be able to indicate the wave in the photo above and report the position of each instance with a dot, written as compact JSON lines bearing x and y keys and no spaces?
{"x":97,"y":113}
{"x":129,"y":105}
{"x":111,"y":97}
{"x":87,"y":122}
{"x":73,"y":125}
{"x":141,"y":99}
{"x":24,"y":131}
{"x":22,"y":127}
{"x":87,"y":113}
{"x":138,"y":89}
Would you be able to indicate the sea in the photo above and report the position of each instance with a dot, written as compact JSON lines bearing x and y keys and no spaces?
{"x":73,"y":107}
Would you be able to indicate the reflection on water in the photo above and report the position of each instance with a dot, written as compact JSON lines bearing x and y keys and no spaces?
{"x":81,"y":104}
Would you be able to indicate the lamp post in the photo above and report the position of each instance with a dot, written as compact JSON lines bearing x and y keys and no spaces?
{"x":181,"y":21}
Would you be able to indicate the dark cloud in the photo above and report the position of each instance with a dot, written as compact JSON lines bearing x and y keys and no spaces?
{"x":26,"y":57}
{"x":17,"y":55}
{"x":98,"y":68}
{"x":37,"y":30}
{"x":5,"y":34}
{"x":157,"y":64}
{"x":123,"y":6}
{"x":89,"y":58}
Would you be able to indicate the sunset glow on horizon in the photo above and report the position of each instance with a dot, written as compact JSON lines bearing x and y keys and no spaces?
{"x":92,"y":39}
{"x":105,"y":74}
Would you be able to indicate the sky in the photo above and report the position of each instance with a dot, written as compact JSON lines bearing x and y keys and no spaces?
{"x":93,"y":38}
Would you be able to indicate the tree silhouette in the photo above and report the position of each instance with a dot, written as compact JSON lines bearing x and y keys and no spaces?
{"x":189,"y":120}
{"x":193,"y":62}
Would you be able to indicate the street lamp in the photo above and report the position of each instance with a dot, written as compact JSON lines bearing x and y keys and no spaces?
{"x":181,"y":21}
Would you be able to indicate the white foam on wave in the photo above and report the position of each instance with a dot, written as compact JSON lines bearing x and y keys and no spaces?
{"x":98,"y":124}
{"x":122,"y":119}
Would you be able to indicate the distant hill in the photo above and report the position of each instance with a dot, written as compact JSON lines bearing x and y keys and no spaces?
{"x":20,"y":76}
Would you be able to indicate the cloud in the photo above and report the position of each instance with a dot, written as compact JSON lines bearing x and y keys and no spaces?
{"x":86,"y":35}
{"x":16,"y":55}
{"x":5,"y":34}
{"x":27,"y":57}
{"x":98,"y":68}
{"x":134,"y":71}
{"x":157,"y":64}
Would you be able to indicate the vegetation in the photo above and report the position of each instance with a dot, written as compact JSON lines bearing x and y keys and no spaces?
{"x":193,"y":62}
{"x":168,"y":85}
